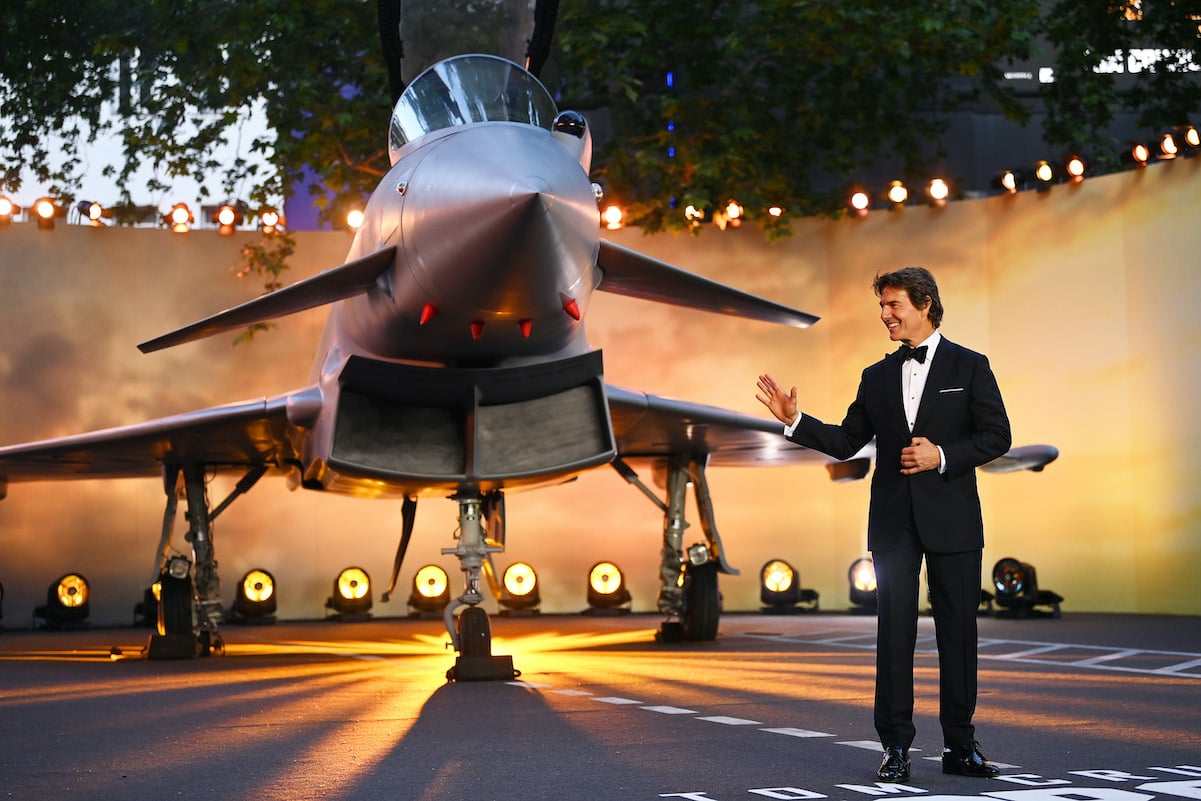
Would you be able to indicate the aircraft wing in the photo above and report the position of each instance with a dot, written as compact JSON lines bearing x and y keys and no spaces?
{"x":250,"y":433}
{"x":628,"y":272}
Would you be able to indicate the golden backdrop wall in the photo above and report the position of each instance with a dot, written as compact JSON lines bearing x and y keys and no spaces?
{"x":1084,"y":297}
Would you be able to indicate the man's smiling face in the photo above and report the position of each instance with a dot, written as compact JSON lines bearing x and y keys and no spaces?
{"x":905,"y":322}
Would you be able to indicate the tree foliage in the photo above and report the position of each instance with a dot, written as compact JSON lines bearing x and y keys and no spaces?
{"x":771,"y":102}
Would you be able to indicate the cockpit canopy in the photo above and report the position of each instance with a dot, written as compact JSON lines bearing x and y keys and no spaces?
{"x":464,"y":90}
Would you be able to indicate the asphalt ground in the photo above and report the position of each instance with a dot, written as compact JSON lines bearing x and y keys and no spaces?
{"x":1080,"y":708}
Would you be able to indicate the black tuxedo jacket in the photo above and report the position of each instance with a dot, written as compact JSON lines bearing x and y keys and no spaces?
{"x":960,"y":410}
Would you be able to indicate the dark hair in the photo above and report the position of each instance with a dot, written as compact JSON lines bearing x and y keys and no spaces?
{"x":920,"y":285}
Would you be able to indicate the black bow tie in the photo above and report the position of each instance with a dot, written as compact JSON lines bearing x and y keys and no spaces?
{"x":906,"y":353}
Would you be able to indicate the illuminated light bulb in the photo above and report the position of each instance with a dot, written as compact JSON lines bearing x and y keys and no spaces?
{"x":613,"y":217}
{"x":938,"y":190}
{"x":860,"y":201}
{"x":897,"y":193}
{"x":354,"y":219}
{"x":1075,"y":168}
{"x":1044,"y":172}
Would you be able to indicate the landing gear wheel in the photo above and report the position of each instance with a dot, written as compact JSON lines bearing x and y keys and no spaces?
{"x":702,"y":603}
{"x":475,"y":632}
{"x":175,"y":606}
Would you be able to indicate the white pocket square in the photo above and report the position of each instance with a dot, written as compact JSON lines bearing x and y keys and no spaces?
{"x":950,"y":389}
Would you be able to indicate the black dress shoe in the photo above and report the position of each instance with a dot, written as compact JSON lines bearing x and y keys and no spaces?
{"x":895,"y":766}
{"x":968,"y":762}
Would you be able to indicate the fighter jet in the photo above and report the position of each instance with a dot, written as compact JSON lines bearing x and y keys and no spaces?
{"x":454,"y":364}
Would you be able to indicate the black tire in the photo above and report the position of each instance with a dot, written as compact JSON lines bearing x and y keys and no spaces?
{"x":702,"y":603}
{"x":175,"y":606}
{"x":475,"y":633}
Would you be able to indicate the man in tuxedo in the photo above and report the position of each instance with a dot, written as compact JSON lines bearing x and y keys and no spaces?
{"x":936,"y":414}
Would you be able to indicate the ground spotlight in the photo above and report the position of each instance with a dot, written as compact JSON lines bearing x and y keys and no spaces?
{"x":352,"y":595}
{"x":1018,"y":594}
{"x":431,"y":591}
{"x":780,"y":589}
{"x":68,"y":603}
{"x":521,"y":593}
{"x":1046,"y":174}
{"x":897,"y":194}
{"x":862,"y":578}
{"x":607,"y":593}
{"x":255,"y":601}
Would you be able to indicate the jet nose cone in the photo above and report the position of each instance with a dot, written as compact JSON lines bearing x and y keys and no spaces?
{"x":502,"y":217}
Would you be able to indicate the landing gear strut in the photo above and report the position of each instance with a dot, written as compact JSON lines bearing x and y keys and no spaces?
{"x":471,"y":632}
{"x":689,"y":593}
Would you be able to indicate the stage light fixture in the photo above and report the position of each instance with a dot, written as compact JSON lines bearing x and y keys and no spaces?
{"x":271,"y":221}
{"x":1010,"y":181}
{"x":92,"y":213}
{"x":1168,"y":147}
{"x":1190,"y":138}
{"x":613,"y":217}
{"x":1075,"y":168}
{"x":1137,"y":154}
{"x":938,"y":191}
{"x":521,"y":589}
{"x":859,"y":202}
{"x":352,"y":594}
{"x":431,"y":591}
{"x":607,"y":593}
{"x":45,"y":209}
{"x":730,"y":215}
{"x":897,"y":194}
{"x":227,"y":217}
{"x":780,"y":589}
{"x":8,"y":210}
{"x":862,"y":578}
{"x":256,"y":599}
{"x":1017,"y":592}
{"x":179,"y":219}
{"x":1046,"y":174}
{"x":68,"y":603}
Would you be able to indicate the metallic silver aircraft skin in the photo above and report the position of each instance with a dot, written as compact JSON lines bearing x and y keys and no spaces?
{"x":454,"y":361}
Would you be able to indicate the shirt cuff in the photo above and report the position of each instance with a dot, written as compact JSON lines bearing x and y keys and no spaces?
{"x":788,"y":429}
